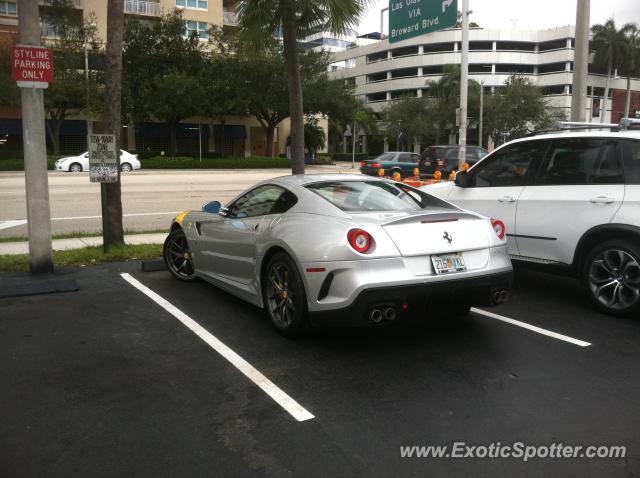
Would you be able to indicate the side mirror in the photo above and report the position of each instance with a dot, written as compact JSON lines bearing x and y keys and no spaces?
{"x":463,"y":179}
{"x":212,"y":207}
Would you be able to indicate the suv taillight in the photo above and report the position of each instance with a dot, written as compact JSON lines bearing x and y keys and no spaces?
{"x":360,"y":240}
{"x":498,"y":226}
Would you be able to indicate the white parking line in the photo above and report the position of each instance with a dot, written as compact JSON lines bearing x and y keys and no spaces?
{"x":533,"y":328}
{"x":276,"y":393}
{"x":8,"y":224}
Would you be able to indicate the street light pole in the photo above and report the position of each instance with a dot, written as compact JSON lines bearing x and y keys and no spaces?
{"x":464,"y":84}
{"x":353,"y":146}
{"x":581,"y":61}
{"x":35,"y":152}
{"x":481,"y":113}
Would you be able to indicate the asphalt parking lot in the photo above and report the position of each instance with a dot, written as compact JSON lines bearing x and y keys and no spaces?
{"x":106,"y":382}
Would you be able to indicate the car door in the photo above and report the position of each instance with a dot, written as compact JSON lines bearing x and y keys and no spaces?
{"x":229,"y":243}
{"x":580,"y":185}
{"x":495,"y":184}
{"x":408,"y":162}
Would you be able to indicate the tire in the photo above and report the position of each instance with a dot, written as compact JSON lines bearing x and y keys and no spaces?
{"x":177,"y":256}
{"x":284,"y":296}
{"x":611,"y":277}
{"x":125,"y":167}
{"x":75,"y":168}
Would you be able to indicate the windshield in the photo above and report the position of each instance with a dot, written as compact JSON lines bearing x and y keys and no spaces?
{"x":384,"y":157}
{"x":374,"y":196}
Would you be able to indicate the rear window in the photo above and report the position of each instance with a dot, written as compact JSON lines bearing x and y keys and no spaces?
{"x":632,"y":161}
{"x":375,"y":196}
{"x":385,"y":157}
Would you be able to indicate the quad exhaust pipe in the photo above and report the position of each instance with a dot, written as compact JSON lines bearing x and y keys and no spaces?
{"x":377,"y":315}
{"x":500,"y":296}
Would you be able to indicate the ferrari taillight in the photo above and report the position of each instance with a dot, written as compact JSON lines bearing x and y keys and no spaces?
{"x":360,"y":240}
{"x":498,"y":226}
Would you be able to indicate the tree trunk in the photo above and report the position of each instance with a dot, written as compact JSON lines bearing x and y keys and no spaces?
{"x":112,"y":232}
{"x":173,"y":140}
{"x":54,"y":135}
{"x":270,"y":131}
{"x":606,"y":96}
{"x":627,"y":103}
{"x":289,"y":39}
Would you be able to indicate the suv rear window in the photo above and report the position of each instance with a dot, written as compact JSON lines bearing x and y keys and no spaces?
{"x":632,"y":161}
{"x":364,"y":196}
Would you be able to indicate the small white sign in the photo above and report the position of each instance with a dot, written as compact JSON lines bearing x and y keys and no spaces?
{"x":103,"y":162}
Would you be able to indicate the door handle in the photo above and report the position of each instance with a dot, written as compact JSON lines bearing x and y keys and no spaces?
{"x":507,"y":199}
{"x":256,"y":226}
{"x":602,"y":200}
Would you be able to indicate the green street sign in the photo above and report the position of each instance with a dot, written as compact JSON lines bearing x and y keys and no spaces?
{"x":410,"y":18}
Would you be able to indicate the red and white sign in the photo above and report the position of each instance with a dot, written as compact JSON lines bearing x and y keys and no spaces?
{"x":32,"y":66}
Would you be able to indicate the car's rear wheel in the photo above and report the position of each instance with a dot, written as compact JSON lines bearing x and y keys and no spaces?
{"x":177,"y":256}
{"x":284,"y":296}
{"x":125,"y":167}
{"x":611,"y":277}
{"x":75,"y":168}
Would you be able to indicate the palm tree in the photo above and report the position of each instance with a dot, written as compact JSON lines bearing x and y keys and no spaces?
{"x":631,"y":61}
{"x":294,"y":19}
{"x":608,"y":43}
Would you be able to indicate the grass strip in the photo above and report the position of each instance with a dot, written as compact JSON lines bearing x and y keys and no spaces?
{"x":86,"y":256}
{"x":73,"y":235}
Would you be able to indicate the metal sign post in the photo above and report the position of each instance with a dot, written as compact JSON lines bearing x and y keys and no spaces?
{"x":103,"y":162}
{"x":410,"y":18}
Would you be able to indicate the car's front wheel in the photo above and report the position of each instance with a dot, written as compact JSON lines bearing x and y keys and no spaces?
{"x":177,"y":256}
{"x":284,"y":296}
{"x":75,"y":168}
{"x":611,"y":277}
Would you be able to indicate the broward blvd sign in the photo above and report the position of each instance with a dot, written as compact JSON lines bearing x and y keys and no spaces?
{"x":410,"y":18}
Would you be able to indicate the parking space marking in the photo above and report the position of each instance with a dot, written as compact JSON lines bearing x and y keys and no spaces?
{"x":13,"y":223}
{"x":533,"y":328}
{"x":276,"y":393}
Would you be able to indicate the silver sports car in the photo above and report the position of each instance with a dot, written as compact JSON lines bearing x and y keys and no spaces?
{"x":340,"y":249}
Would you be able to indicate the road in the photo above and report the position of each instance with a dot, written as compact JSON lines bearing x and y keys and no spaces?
{"x":111,"y":381}
{"x":149,"y":198}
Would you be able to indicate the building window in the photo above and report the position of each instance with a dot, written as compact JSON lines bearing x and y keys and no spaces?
{"x":8,"y":8}
{"x":201,"y":4}
{"x":200,"y":28}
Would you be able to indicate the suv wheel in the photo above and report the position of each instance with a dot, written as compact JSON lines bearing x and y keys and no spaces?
{"x":611,"y":277}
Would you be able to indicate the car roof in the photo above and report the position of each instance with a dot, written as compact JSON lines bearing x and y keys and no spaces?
{"x":303,"y":179}
{"x":629,"y":134}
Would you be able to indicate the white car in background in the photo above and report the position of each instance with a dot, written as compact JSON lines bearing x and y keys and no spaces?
{"x":77,"y":164}
{"x":570,"y":202}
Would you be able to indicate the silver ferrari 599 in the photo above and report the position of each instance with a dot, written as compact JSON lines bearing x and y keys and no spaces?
{"x":339,"y":249}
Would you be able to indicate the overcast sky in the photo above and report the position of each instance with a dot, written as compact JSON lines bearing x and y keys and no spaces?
{"x":524,"y":14}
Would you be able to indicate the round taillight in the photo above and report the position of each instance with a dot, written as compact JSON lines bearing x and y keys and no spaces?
{"x":360,"y":240}
{"x":498,"y":226}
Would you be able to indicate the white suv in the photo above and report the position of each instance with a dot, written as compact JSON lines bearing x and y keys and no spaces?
{"x":570,"y":201}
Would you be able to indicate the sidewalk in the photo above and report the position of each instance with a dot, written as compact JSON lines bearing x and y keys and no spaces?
{"x":22,"y":247}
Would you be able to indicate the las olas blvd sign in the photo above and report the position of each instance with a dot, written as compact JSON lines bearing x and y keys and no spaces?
{"x":32,"y":66}
{"x":410,"y":18}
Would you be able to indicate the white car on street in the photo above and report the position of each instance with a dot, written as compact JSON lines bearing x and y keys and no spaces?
{"x":77,"y":164}
{"x":569,"y":201}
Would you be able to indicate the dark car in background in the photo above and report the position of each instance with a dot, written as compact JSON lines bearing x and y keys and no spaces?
{"x":444,"y":158}
{"x":392,"y":162}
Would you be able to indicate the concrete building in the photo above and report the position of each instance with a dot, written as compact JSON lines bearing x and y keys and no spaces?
{"x":383,"y":72}
{"x":242,"y":136}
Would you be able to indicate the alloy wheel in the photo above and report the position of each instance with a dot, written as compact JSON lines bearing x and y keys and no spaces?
{"x":614,"y":279}
{"x":178,"y":256}
{"x":281,"y":294}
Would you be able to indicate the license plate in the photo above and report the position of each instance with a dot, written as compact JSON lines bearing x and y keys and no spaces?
{"x":448,"y":263}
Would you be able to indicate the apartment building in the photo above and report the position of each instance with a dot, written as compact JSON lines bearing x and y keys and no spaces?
{"x":383,"y":72}
{"x":242,"y":136}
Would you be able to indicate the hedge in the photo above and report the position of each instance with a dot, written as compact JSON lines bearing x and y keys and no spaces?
{"x":349,"y":157}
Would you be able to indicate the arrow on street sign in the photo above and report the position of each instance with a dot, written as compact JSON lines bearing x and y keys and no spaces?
{"x":410,"y":18}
